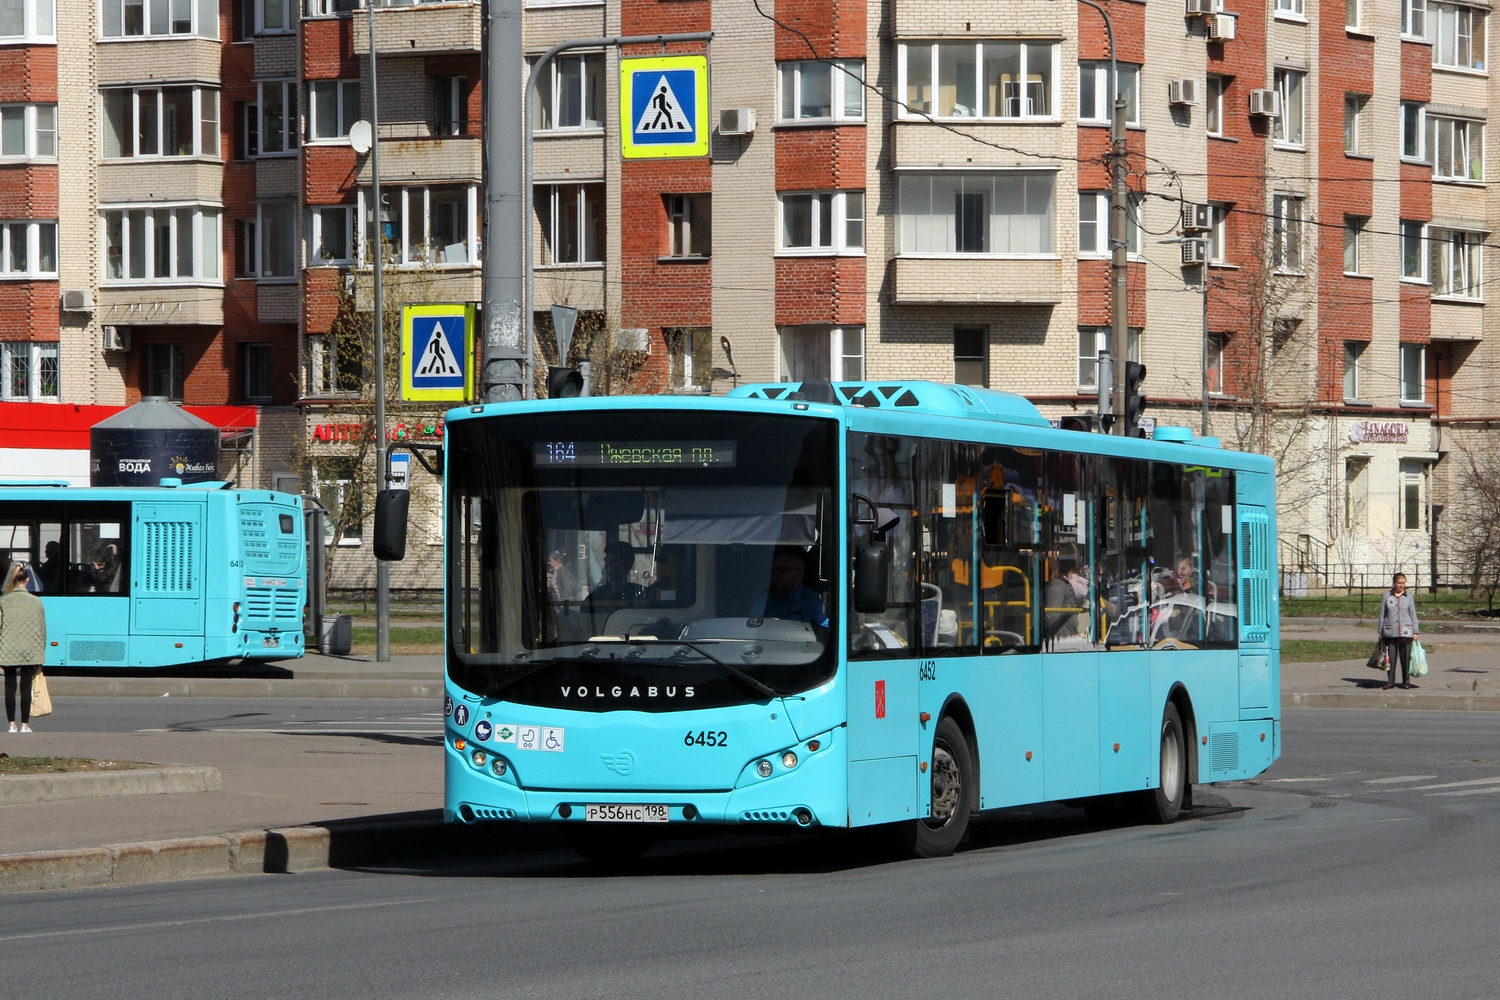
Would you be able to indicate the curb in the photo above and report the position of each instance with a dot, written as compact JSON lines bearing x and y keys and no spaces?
{"x":287,"y":850}
{"x":212,"y":687}
{"x":18,"y":788}
{"x":1454,"y":702}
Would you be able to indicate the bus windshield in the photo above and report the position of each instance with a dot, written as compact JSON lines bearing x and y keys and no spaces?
{"x":640,"y":560}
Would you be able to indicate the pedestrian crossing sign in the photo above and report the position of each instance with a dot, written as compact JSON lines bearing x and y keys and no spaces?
{"x":664,"y":107}
{"x":437,"y":352}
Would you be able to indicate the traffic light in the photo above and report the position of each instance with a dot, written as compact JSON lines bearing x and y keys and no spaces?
{"x":1135,"y":399}
{"x":563,"y":383}
{"x":1078,"y":422}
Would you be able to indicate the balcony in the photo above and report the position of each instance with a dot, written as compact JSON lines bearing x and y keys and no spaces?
{"x":161,"y":305}
{"x":973,"y":280}
{"x":1457,"y":320}
{"x":411,"y":152}
{"x":424,"y":28}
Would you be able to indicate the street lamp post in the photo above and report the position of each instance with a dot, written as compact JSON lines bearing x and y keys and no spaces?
{"x":377,"y":322}
{"x":1203,"y":243}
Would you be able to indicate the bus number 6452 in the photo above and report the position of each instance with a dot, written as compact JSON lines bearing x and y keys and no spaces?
{"x":706,"y":738}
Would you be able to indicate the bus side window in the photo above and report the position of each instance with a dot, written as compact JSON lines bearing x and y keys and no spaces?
{"x":99,"y":563}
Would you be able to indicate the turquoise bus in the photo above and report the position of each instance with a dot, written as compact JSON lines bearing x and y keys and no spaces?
{"x":842,"y":605}
{"x":170,"y":576}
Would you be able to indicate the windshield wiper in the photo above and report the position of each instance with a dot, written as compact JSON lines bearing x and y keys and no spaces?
{"x":755,"y":684}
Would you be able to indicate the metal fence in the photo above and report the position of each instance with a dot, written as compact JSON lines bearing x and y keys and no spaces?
{"x":1351,"y":579}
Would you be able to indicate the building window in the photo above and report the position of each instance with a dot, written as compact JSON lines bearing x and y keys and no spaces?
{"x":1354,"y":238}
{"x":332,"y":108}
{"x":1214,"y":363}
{"x":1414,"y":18}
{"x":1413,"y":495}
{"x":30,"y":370}
{"x":953,"y":213}
{"x":822,"y":221}
{"x":822,"y":91}
{"x":28,"y":20}
{"x":1289,"y":124}
{"x":1290,"y":8}
{"x":1093,"y":93}
{"x":28,"y":249}
{"x":28,"y":131}
{"x":1094,"y":223}
{"x":570,"y":94}
{"x":321,"y":8}
{"x":159,"y":18}
{"x":419,"y":225}
{"x":985,"y":79}
{"x":1354,"y":122}
{"x":1414,"y":131}
{"x":164,"y":370}
{"x":1455,"y":268}
{"x":336,"y":483}
{"x":335,"y":366}
{"x":1217,"y":232}
{"x":450,"y":112}
{"x":1213,"y":104}
{"x":1286,"y":233}
{"x":1457,"y":148}
{"x":266,"y":17}
{"x":268,"y":243}
{"x":971,"y":355}
{"x":689,"y":224}
{"x":257,"y":362}
{"x":274,"y":131}
{"x":1094,"y":341}
{"x":1413,"y":370}
{"x":692,"y":354}
{"x":160,"y":121}
{"x":1457,"y":35}
{"x":572,"y":223}
{"x":1353,"y":13}
{"x":1356,"y":493}
{"x":1413,"y":252}
{"x":164,"y":243}
{"x":330,"y":234}
{"x":1354,"y":352}
{"x":822,"y":353}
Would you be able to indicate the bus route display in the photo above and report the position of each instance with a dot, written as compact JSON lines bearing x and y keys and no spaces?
{"x":639,"y":454}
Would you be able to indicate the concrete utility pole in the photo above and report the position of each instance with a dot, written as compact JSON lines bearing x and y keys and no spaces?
{"x":1119,"y":341}
{"x":507,"y":226}
{"x":377,"y":323}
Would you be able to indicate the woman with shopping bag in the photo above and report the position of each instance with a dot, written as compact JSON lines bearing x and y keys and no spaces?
{"x":1398,"y":630}
{"x":23,"y":642}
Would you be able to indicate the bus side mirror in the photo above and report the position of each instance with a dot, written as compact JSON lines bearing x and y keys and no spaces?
{"x":872,"y":574}
{"x":390,"y":524}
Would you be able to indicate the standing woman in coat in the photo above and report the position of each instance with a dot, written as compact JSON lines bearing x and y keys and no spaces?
{"x":1398,"y":629}
{"x":23,"y":641}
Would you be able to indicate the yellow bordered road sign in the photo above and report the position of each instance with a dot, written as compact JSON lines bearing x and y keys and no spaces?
{"x":437,"y":352}
{"x":664,"y":107}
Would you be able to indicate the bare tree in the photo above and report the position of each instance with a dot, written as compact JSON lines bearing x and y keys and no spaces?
{"x":1474,"y":519}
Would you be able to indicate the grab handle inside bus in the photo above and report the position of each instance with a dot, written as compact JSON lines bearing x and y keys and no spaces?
{"x":872,"y":558}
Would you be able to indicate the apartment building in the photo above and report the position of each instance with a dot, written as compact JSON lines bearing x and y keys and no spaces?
{"x":904,"y":190}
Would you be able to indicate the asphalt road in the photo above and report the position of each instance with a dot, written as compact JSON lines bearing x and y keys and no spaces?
{"x":1363,"y":865}
{"x":397,"y":717}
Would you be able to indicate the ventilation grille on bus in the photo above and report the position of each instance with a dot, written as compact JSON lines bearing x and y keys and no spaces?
{"x":168,"y":566}
{"x":255,"y":532}
{"x":948,"y":400}
{"x":273,"y":602}
{"x":1255,"y":576}
{"x":766,"y":816}
{"x":492,"y":812}
{"x":1224,"y":752}
{"x":103,"y":650}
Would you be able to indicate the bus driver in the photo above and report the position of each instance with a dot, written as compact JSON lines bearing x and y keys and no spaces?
{"x":788,"y":599}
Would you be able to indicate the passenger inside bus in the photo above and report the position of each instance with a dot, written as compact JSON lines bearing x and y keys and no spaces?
{"x":51,"y":570}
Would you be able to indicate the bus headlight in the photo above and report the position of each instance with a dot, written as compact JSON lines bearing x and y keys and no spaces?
{"x":480,"y":758}
{"x":763,"y":768}
{"x":498,"y":768}
{"x":788,"y":760}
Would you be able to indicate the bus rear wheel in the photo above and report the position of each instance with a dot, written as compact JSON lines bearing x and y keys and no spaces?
{"x":608,"y":845}
{"x":954,"y":792}
{"x":1163,"y":804}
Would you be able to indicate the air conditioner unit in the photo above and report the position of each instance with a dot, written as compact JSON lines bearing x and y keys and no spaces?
{"x":1202,"y":8}
{"x":116,"y":339}
{"x":736,"y":121}
{"x":1265,"y":103}
{"x":1197,"y":218}
{"x":1220,"y":27}
{"x":1183,"y":91}
{"x":77,"y":300}
{"x":1194,"y":252}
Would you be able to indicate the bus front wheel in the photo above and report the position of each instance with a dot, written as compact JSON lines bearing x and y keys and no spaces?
{"x":954,"y":791}
{"x":1163,"y":804}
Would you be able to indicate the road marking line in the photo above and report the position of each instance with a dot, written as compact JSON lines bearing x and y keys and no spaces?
{"x":1492,"y":790}
{"x":1463,"y":784}
{"x":1287,"y":781}
{"x":1400,"y":778}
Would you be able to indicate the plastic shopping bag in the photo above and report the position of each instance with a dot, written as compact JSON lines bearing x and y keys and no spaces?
{"x":1418,"y":660}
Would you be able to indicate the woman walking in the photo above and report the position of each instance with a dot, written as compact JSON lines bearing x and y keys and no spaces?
{"x":1398,"y":629}
{"x":23,"y":642}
